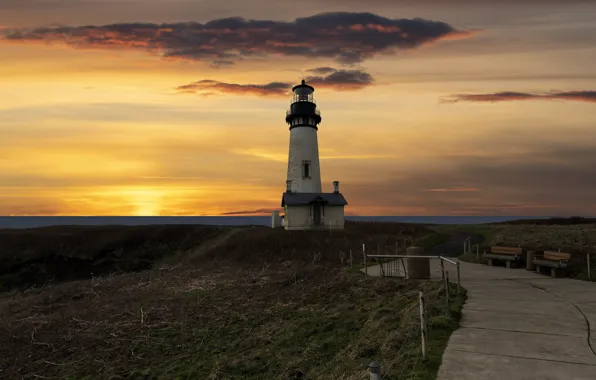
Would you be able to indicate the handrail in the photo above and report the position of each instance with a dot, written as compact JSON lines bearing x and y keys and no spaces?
{"x":413,"y":257}
{"x":442,"y":258}
{"x":404,"y":256}
{"x":449,"y":261}
{"x":297,"y":99}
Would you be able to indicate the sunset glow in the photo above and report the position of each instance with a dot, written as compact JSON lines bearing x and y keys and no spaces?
{"x":168,"y":108}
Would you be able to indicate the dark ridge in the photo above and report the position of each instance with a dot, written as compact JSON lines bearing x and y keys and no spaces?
{"x":36,"y":256}
{"x":550,"y":221}
{"x":39,"y":256}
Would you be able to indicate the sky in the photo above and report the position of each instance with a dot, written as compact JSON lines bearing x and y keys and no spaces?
{"x":177,"y":107}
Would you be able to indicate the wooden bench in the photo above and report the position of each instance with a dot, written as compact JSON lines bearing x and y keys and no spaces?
{"x":507,"y":254}
{"x":556,"y":261}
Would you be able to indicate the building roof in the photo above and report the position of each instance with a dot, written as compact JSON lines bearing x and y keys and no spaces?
{"x":303,"y":84}
{"x":303,"y":199}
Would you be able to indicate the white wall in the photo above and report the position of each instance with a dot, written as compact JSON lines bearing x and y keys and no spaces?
{"x":334,"y":217}
{"x":299,"y":217}
{"x":304,"y":146}
{"x":275,"y":219}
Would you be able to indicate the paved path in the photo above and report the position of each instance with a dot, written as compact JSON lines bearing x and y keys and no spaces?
{"x":518,"y":325}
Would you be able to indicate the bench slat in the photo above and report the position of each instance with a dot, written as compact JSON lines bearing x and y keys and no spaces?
{"x":506,"y":250}
{"x":557,"y":256}
{"x":502,"y":257}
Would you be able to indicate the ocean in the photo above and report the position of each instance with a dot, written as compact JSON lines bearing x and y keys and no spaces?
{"x":44,"y":221}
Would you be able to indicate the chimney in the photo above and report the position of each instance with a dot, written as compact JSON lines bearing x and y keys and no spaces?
{"x":289,"y":186}
{"x":336,"y":186}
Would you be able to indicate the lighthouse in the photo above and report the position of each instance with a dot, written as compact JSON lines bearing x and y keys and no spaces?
{"x":305,"y":204}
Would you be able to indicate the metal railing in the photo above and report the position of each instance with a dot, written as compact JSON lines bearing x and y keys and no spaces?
{"x":303,"y":98}
{"x":317,"y":112}
{"x":400,"y":258}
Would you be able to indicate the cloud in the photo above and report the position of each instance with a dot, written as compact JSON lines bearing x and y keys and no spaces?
{"x":222,"y":62}
{"x":342,"y":36}
{"x":453,"y":189}
{"x":340,"y":79}
{"x":250,"y":212}
{"x":211,"y":87}
{"x":581,"y":96}
{"x":547,"y":179}
{"x":322,"y":70}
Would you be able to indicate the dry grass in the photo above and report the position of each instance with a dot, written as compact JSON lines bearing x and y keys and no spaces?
{"x":261,"y":304}
{"x":234,"y":323}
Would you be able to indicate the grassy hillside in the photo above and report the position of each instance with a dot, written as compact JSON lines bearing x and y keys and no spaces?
{"x":576,"y":238}
{"x":572,"y":238}
{"x":267,"y":245}
{"x":222,"y":323}
{"x":33,"y":257}
{"x":250,"y":304}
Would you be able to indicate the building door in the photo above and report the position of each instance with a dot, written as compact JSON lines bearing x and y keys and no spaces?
{"x":316,"y":212}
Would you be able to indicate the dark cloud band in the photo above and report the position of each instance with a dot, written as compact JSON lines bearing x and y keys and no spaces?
{"x":211,"y":87}
{"x":342,"y":80}
{"x":343,"y":36}
{"x":581,"y":96}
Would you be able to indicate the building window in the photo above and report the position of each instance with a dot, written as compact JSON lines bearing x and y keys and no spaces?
{"x":305,"y":169}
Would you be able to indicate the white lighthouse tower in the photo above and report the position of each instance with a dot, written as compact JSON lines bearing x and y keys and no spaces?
{"x":305,"y":204}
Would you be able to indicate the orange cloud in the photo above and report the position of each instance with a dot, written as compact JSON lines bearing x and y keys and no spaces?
{"x":581,"y":96}
{"x":211,"y":87}
{"x":453,"y":189}
{"x":260,"y":211}
{"x":343,"y":80}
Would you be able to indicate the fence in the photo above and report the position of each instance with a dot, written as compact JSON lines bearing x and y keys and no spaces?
{"x":390,"y":268}
{"x":396,"y":260}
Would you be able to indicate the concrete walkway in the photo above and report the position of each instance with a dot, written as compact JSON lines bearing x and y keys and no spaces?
{"x":518,"y":325}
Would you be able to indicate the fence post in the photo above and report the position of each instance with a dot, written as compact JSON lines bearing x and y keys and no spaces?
{"x":458,"y":278}
{"x":364,"y":255}
{"x":422,"y":323}
{"x":477,"y":251}
{"x":589,"y":269}
{"x":442,"y":268}
{"x":375,"y":371}
{"x":447,"y":295}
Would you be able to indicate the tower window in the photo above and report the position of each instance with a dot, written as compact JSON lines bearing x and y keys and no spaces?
{"x":305,"y":169}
